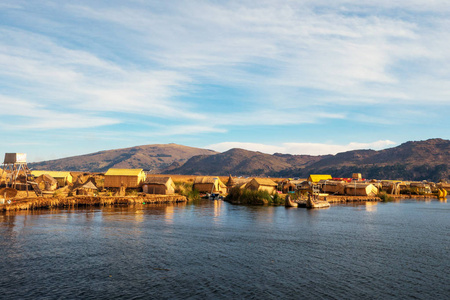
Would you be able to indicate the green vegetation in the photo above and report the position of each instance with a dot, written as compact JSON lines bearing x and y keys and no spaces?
{"x":185,"y":189}
{"x":250,"y":197}
{"x":385,"y":197}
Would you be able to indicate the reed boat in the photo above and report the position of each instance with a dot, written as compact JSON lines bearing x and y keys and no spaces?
{"x":289,"y":203}
{"x":296,"y":203}
{"x":311,"y":203}
{"x":442,"y":193}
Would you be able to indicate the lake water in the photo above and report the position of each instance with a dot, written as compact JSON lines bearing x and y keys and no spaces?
{"x":216,"y":250}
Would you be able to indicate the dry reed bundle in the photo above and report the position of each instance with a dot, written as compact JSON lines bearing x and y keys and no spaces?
{"x":53,"y":202}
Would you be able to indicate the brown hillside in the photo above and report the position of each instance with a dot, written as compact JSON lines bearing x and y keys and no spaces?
{"x":418,"y":160}
{"x":147,"y":157}
{"x":243,"y":162}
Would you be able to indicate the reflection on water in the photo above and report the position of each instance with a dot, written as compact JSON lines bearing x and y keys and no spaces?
{"x":169,"y":215}
{"x":211,"y":249}
{"x":371,"y":206}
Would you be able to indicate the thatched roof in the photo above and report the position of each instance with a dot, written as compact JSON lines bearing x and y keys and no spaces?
{"x":265,"y":181}
{"x":358,"y":185}
{"x":157,"y":180}
{"x":289,"y":183}
{"x":208,"y":179}
{"x":54,"y":174}
{"x":204,"y":179}
{"x":46,"y":178}
{"x":231,"y":182}
{"x":88,"y":186}
{"x":124,"y":172}
{"x":297,"y":181}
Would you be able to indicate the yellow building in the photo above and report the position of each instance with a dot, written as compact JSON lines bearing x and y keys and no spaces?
{"x":130,"y":178}
{"x":315,"y":178}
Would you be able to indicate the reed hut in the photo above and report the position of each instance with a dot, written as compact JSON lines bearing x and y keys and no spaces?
{"x":315,"y":178}
{"x":288,"y":186}
{"x":390,"y":186}
{"x":63,"y":178}
{"x":46,"y":182}
{"x":360,"y":189}
{"x":304,"y":185}
{"x":208,"y":184}
{"x":444,"y":185}
{"x":158,"y":185}
{"x":130,"y":178}
{"x":230,"y":183}
{"x":86,"y":189}
{"x":236,"y":182}
{"x":262,"y":184}
{"x":333,"y":187}
{"x":420,"y":187}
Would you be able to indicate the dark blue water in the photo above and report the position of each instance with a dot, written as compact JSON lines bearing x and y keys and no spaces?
{"x":216,"y":250}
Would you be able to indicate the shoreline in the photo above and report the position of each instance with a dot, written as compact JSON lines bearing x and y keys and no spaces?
{"x":34,"y":203}
{"x":344,"y":198}
{"x":74,"y":201}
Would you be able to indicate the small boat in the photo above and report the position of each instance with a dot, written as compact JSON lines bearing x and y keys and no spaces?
{"x":289,"y":203}
{"x":442,"y":193}
{"x":312,"y":203}
{"x":215,"y":197}
{"x":294,"y":203}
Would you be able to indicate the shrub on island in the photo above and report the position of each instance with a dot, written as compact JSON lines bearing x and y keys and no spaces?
{"x":250,"y":197}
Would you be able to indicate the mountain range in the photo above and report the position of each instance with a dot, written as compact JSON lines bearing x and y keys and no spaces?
{"x":415,"y":160}
{"x":154,"y":158}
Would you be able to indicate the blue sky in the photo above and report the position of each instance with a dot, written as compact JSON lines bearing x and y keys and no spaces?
{"x":300,"y":77}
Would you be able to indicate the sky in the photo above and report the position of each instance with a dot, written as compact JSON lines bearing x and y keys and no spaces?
{"x":299,"y":77}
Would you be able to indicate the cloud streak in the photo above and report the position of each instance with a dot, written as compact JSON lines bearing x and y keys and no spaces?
{"x":302,"y":148}
{"x":213,"y":70}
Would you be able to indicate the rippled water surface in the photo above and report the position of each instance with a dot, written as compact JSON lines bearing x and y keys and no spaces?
{"x":219,"y":251}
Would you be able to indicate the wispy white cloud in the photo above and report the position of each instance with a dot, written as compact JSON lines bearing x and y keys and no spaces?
{"x":299,"y":62}
{"x":36,"y":116}
{"x":82,"y":81}
{"x":278,"y":116}
{"x":302,"y":148}
{"x":333,"y":50}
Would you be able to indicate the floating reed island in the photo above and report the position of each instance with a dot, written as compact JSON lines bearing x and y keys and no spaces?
{"x":52,"y":189}
{"x":80,"y":201}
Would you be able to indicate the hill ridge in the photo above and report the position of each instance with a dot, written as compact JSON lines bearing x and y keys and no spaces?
{"x":154,"y":157}
{"x":412,"y":160}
